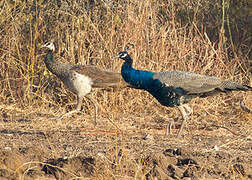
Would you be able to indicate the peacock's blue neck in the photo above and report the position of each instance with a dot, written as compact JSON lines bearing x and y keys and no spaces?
{"x":139,"y":79}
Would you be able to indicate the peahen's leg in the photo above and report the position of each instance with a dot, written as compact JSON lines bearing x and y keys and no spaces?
{"x":78,"y":108}
{"x":95,"y":106}
{"x":185,"y":111}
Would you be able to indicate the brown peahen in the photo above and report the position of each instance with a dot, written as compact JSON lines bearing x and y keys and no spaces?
{"x":80,"y":79}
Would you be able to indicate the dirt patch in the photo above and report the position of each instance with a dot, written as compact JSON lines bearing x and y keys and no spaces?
{"x":100,"y":154}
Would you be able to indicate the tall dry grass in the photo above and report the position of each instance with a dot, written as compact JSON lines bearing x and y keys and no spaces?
{"x":168,"y":35}
{"x":92,"y":32}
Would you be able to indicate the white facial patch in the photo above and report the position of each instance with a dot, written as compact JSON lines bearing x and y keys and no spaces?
{"x":123,"y":55}
{"x":50,"y":46}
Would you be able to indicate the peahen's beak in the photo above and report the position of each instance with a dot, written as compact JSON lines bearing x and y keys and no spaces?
{"x":43,"y":45}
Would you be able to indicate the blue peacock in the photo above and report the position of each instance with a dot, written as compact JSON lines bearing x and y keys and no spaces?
{"x":175,"y":88}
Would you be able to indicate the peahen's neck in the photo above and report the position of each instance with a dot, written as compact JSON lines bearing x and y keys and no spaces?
{"x":139,"y":79}
{"x":56,"y":67}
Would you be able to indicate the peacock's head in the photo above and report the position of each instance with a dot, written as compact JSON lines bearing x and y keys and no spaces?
{"x":124,"y":54}
{"x":49,"y":45}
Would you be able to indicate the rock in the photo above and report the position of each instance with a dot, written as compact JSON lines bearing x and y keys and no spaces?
{"x":190,"y":172}
{"x":161,"y":160}
{"x":77,"y":165}
{"x":187,"y":161}
{"x":175,"y":171}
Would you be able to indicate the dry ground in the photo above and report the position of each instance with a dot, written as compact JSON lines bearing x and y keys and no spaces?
{"x":124,"y":146}
{"x":206,"y":37}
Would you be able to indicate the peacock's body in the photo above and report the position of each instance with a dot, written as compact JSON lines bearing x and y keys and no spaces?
{"x":175,"y":88}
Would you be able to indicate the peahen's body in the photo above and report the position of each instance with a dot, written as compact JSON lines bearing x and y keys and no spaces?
{"x":80,"y":79}
{"x":175,"y":88}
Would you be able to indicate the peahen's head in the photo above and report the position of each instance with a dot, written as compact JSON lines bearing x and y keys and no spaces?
{"x":124,"y":54}
{"x":49,"y":56}
{"x":49,"y":45}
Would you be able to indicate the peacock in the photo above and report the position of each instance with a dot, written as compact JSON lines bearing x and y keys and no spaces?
{"x":80,"y":79}
{"x":175,"y":88}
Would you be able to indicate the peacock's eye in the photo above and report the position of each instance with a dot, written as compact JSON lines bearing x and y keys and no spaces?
{"x":123,"y":55}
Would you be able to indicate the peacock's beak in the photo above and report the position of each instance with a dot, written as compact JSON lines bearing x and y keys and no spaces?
{"x":116,"y":56}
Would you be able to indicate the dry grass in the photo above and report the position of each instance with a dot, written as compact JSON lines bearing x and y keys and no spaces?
{"x":166,"y":35}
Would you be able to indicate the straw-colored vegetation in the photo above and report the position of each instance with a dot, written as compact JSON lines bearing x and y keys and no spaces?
{"x":209,"y":37}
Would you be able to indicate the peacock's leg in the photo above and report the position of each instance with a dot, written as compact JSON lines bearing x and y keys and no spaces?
{"x":170,"y":125}
{"x":183,"y":108}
